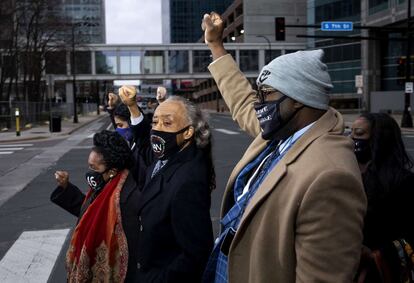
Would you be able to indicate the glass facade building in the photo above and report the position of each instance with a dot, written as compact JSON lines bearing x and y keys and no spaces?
{"x":88,"y":17}
{"x":186,"y":15}
{"x":342,"y":56}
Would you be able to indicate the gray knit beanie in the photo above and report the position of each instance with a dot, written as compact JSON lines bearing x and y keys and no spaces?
{"x":301,"y":75}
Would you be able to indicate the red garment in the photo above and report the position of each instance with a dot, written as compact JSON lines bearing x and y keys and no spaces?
{"x":98,"y":250}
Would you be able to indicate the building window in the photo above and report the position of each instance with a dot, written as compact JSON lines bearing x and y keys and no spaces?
{"x":249,"y":60}
{"x":105,"y":62}
{"x":178,"y":61}
{"x":83,"y":62}
{"x":201,"y":59}
{"x":56,"y":63}
{"x":154,"y":62}
{"x":130,"y":62}
{"x":376,"y":6}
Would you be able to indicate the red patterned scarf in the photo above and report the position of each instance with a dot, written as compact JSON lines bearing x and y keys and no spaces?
{"x":98,"y":250}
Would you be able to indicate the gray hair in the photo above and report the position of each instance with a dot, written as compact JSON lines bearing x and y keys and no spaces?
{"x":196,"y":118}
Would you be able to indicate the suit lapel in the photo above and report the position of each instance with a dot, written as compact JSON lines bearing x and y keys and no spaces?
{"x":128,"y":188}
{"x":154,"y":185}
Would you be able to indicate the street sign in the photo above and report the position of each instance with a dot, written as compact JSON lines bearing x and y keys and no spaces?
{"x":359,"y":83}
{"x":409,"y":87}
{"x":337,"y":26}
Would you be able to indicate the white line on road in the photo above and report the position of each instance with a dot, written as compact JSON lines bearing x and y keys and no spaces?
{"x":6,"y":152}
{"x":16,"y":144}
{"x":90,"y":136}
{"x":228,"y":132}
{"x":11,"y":148}
{"x":109,"y":127}
{"x":410,"y":137}
{"x":32,"y":256}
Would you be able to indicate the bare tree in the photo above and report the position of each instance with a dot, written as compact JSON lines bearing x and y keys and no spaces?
{"x":37,"y":29}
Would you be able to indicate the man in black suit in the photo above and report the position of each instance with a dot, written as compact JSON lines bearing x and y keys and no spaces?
{"x":175,"y":231}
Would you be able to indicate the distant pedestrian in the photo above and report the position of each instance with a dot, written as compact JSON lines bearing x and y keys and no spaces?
{"x":103,"y":245}
{"x":161,"y":96}
{"x":294,"y":205}
{"x":389,"y":186}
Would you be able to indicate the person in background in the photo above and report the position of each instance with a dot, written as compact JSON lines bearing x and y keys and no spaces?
{"x":161,"y":96}
{"x":389,"y":185}
{"x":121,"y":121}
{"x":294,"y":205}
{"x":175,"y":235}
{"x":103,"y":246}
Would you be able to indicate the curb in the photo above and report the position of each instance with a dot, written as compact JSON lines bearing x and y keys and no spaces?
{"x":85,"y":124}
{"x":60,"y":135}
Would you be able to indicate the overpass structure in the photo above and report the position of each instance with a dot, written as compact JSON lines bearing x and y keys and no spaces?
{"x":156,"y":61}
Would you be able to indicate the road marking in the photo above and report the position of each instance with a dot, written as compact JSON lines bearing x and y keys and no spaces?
{"x":11,"y":148}
{"x":410,"y":136}
{"x":15,"y":144}
{"x":109,"y":127}
{"x":90,"y":136}
{"x":227,"y":132}
{"x":6,"y":149}
{"x":33,"y":256}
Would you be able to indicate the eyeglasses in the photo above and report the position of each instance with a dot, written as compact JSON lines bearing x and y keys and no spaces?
{"x":263,"y":92}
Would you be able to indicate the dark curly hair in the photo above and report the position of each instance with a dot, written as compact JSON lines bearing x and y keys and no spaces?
{"x":122,"y":112}
{"x":114,"y":150}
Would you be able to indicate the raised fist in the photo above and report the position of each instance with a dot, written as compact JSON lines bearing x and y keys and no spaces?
{"x":62,"y":178}
{"x":128,"y":95}
{"x":112,"y":100}
{"x":213,"y":27}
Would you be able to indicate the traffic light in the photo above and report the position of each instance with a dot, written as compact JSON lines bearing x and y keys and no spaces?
{"x":280,"y":28}
{"x":401,"y":70}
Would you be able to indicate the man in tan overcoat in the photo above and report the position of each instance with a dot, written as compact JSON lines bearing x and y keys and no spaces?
{"x":294,"y":205}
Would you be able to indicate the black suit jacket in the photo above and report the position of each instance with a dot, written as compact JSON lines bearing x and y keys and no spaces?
{"x":175,"y":236}
{"x":71,"y":200}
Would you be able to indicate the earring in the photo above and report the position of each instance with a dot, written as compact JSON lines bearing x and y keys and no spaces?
{"x":111,"y":175}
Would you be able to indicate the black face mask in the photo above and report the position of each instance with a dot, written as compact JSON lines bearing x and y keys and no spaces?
{"x":164,"y":144}
{"x":269,"y":117}
{"x":95,"y":180}
{"x":362,"y":150}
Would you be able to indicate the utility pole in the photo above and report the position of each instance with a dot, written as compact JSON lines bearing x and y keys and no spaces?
{"x":407,"y":120}
{"x":73,"y":68}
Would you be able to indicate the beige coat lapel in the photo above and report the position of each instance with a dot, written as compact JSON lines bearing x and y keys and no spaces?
{"x":330,"y":121}
{"x":255,"y":148}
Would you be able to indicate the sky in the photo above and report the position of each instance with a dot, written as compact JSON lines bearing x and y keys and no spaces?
{"x":133,"y":21}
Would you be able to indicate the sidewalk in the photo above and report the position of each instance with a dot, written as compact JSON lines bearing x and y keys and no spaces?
{"x":42,"y":131}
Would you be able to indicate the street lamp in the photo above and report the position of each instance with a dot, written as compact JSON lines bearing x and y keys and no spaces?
{"x":269,"y":44}
{"x":407,"y":120}
{"x":73,"y":69}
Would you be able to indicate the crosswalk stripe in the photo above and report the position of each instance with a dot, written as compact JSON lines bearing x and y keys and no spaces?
{"x":6,"y":152}
{"x":11,"y":148}
{"x":228,"y":132}
{"x":90,"y":136}
{"x":33,"y":256}
{"x":15,"y":144}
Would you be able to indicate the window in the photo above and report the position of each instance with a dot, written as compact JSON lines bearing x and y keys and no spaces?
{"x":106,"y":62}
{"x":178,"y":61}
